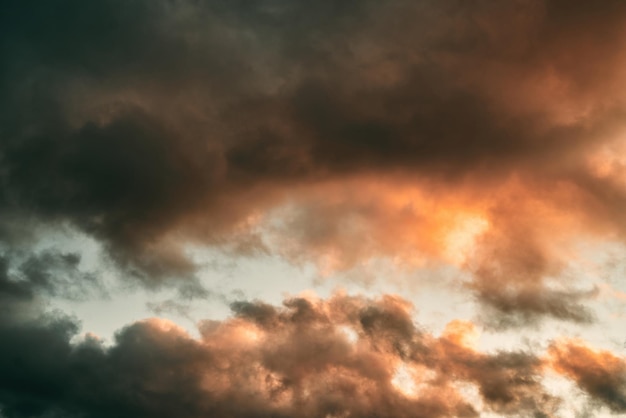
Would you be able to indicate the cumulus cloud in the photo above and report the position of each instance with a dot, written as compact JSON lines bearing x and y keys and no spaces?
{"x":298,"y":359}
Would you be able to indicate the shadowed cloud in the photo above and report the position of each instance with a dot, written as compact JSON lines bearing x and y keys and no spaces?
{"x":294,"y":360}
{"x":152,"y":126}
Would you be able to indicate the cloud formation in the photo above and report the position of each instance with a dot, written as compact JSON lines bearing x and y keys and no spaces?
{"x":600,"y":373}
{"x":487,"y":136}
{"x":345,"y":356}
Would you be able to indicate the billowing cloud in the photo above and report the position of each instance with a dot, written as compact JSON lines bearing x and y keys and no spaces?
{"x":486,"y":136}
{"x":345,"y":356}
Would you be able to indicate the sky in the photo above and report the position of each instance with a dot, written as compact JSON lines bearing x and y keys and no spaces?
{"x":312,"y":209}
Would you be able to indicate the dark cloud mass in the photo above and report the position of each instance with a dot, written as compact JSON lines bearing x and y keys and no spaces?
{"x":142,"y":122}
{"x":485,"y":135}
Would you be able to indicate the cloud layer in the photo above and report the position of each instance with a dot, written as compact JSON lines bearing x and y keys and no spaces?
{"x":159,"y":124}
{"x":487,"y":137}
{"x":344,"y":356}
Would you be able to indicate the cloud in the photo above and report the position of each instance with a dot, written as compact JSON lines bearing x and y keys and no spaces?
{"x":158,"y":125}
{"x":489,"y":137}
{"x":266,"y":360}
{"x":28,"y":277}
{"x":601,"y":374}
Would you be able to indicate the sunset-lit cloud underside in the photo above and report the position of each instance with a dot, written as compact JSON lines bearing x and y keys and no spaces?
{"x":395,"y":151}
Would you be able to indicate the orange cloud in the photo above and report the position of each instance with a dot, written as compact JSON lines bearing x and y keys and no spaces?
{"x":601,"y":374}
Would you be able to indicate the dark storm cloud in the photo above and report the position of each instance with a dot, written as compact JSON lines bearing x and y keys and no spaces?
{"x":154,"y":124}
{"x":294,"y":360}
